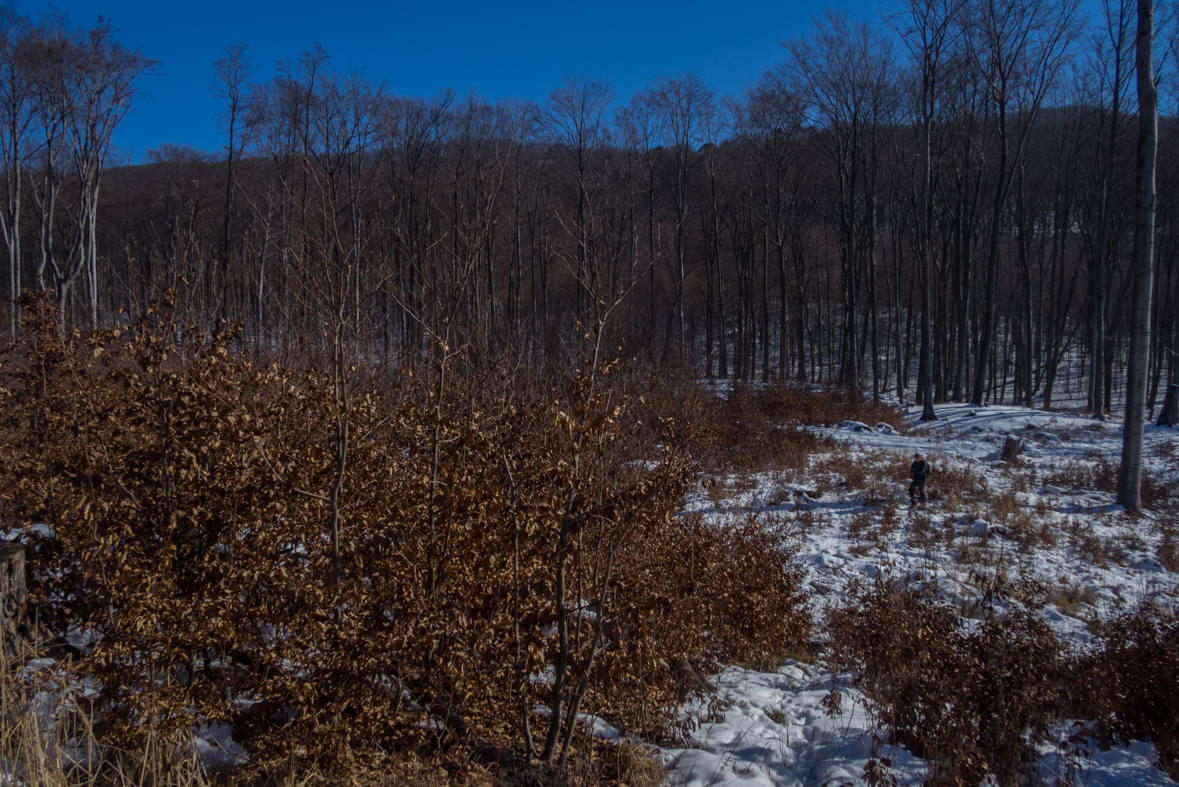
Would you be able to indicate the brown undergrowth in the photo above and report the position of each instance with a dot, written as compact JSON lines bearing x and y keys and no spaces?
{"x":965,"y":698}
{"x":1100,"y":472}
{"x":975,"y":698}
{"x":754,"y":428}
{"x":347,"y":562}
{"x":1130,"y":682}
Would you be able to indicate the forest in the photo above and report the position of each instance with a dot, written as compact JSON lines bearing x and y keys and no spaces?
{"x":953,"y":188}
{"x":436,"y":433}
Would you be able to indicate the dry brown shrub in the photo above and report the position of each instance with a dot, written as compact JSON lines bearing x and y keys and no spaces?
{"x":1095,"y":550}
{"x":1158,"y":493}
{"x":1168,"y":550}
{"x":889,"y":520}
{"x":950,"y":531}
{"x":719,"y":491}
{"x":676,"y":411}
{"x":1074,"y":528}
{"x":740,"y":433}
{"x":1021,"y":528}
{"x":859,"y":526}
{"x":1069,"y":598}
{"x":1094,"y":471}
{"x":878,"y":491}
{"x":754,"y":428}
{"x":1130,"y":683}
{"x":922,"y":533}
{"x":827,"y":406}
{"x":966,"y":699}
{"x":1005,"y":506}
{"x":951,"y":480}
{"x":803,"y":520}
{"x":759,"y":615}
{"x":975,"y":554}
{"x":846,"y":469}
{"x":210,"y":535}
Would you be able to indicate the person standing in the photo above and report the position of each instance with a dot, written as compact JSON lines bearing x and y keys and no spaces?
{"x":920,"y":470}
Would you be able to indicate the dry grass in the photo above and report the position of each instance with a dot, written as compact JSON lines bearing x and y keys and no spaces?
{"x":1069,"y":598}
{"x":62,"y":750}
{"x":1094,"y":471}
{"x":1005,"y":506}
{"x":636,"y":767}
{"x":1168,"y":550}
{"x":47,"y":740}
{"x":889,"y":520}
{"x":955,"y":484}
{"x":922,"y":532}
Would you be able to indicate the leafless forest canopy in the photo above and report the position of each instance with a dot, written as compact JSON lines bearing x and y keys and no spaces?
{"x":946,"y":196}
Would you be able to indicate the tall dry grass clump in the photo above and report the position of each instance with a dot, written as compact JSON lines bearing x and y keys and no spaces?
{"x":46,"y":740}
{"x":340,"y":561}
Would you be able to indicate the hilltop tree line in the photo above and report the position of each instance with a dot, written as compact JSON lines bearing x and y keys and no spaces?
{"x":940,"y":206}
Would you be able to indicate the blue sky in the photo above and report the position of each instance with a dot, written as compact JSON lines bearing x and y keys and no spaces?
{"x":499,"y":49}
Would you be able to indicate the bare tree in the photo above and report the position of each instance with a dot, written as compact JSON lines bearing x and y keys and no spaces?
{"x":17,"y":115}
{"x":1130,"y":472}
{"x":640,"y":123}
{"x":89,"y":80}
{"x":1111,"y":66}
{"x":575,"y":119}
{"x":842,"y":75}
{"x":928,"y":29}
{"x":1019,"y":46}
{"x":232,"y":72}
{"x":684,"y":104}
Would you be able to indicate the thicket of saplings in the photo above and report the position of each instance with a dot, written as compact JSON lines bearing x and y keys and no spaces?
{"x":343,"y":562}
{"x":357,"y":565}
{"x":977,"y":698}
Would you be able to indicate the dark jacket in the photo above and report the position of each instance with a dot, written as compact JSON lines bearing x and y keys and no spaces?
{"x":920,"y":470}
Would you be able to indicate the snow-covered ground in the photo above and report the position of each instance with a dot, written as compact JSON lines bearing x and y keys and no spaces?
{"x":1035,"y":521}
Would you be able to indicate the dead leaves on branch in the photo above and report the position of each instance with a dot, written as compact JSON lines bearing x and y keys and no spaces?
{"x":174,"y":472}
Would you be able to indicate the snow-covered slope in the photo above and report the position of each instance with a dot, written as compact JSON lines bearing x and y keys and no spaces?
{"x":1047,"y":520}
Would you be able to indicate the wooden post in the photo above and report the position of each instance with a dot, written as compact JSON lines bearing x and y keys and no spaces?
{"x":13,"y":597}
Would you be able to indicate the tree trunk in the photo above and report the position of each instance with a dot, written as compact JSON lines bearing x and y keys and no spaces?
{"x":1130,"y":473}
{"x":13,"y":598}
{"x":1169,"y":415}
{"x":925,"y":368}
